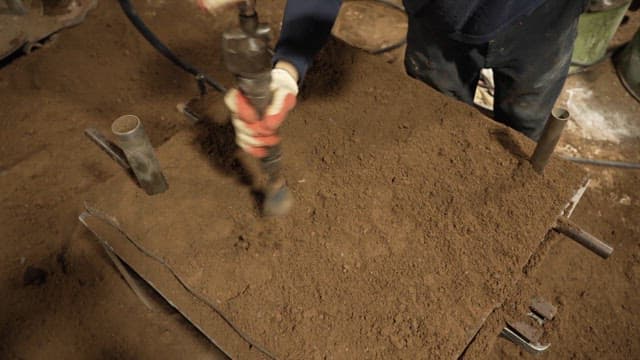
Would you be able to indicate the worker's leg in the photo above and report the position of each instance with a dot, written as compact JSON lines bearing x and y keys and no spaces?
{"x":530,"y":61}
{"x":448,"y":66}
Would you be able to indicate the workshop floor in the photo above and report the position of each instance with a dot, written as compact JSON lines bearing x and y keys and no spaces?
{"x":62,"y":298}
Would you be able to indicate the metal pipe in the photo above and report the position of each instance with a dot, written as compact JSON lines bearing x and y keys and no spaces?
{"x":136,"y":146}
{"x":549,"y":139}
{"x":599,"y":162}
{"x":574,"y":232}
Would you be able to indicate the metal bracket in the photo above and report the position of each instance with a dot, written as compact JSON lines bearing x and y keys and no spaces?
{"x":184,"y":109}
{"x":533,"y":347}
{"x":109,"y":148}
{"x":118,"y":263}
{"x":542,"y":310}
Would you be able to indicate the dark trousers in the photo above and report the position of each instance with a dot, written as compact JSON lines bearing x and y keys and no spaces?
{"x":530,"y":61}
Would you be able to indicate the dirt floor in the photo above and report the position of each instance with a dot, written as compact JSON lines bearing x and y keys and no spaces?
{"x":63,"y":299}
{"x":375,"y":253}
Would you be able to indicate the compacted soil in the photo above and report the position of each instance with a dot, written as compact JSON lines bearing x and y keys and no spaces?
{"x":378,"y":208}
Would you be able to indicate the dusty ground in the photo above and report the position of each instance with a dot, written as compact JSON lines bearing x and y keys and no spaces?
{"x":598,"y":300}
{"x":376,"y":252}
{"x":88,"y":78}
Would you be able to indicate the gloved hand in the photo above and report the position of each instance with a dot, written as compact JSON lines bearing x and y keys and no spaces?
{"x":255,"y":135}
{"x":214,"y":6}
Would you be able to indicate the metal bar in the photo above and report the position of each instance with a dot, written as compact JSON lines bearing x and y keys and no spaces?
{"x":118,"y":263}
{"x":108,"y":147}
{"x":598,"y":162}
{"x":574,"y":232}
{"x":133,"y":140}
{"x":113,"y":222}
{"x":550,"y":136}
{"x":184,"y":109}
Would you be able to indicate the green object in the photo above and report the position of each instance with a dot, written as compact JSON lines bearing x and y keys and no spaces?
{"x":628,"y":66}
{"x":595,"y":30}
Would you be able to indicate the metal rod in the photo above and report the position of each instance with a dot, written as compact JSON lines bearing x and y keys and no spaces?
{"x":598,"y":162}
{"x":117,"y":262}
{"x":113,"y":222}
{"x":550,"y":136}
{"x":132,"y":139}
{"x":574,"y":232}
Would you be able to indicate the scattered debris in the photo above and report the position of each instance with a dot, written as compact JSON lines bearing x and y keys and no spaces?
{"x":596,"y":121}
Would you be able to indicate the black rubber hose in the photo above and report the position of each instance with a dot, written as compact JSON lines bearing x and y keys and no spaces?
{"x":158,"y":45}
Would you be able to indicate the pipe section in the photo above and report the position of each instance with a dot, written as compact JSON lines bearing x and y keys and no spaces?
{"x":574,"y":232}
{"x":135,"y":144}
{"x":549,"y":139}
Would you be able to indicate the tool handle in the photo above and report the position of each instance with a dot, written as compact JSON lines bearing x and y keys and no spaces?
{"x":258,"y":92}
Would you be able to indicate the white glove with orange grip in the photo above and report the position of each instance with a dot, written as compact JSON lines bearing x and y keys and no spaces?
{"x":255,"y":135}
{"x":214,"y":6}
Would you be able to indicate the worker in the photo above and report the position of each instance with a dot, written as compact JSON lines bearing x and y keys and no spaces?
{"x":527,"y":43}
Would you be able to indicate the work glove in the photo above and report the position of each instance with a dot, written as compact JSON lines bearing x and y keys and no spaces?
{"x":216,"y":5}
{"x":255,"y":135}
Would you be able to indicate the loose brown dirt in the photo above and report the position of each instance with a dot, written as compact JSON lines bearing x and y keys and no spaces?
{"x":400,"y":231}
{"x":62,"y":299}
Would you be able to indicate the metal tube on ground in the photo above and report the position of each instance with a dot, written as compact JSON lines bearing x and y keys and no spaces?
{"x":549,"y":139}
{"x":574,"y":232}
{"x":599,"y":162}
{"x":136,"y":146}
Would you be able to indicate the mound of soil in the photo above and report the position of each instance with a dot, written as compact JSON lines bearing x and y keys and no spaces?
{"x":414,"y":217}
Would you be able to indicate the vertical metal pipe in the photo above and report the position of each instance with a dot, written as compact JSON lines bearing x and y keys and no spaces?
{"x":628,"y":66}
{"x":136,"y":146}
{"x":549,"y":139}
